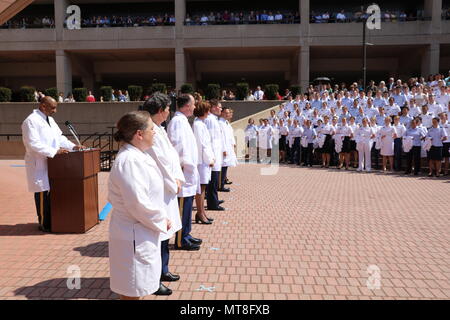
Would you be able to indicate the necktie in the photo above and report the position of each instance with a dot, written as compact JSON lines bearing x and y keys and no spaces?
{"x":48,"y":121}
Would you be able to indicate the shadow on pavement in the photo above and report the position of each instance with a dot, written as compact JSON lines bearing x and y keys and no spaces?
{"x":96,"y":250}
{"x":23,"y":229}
{"x":90,"y":288}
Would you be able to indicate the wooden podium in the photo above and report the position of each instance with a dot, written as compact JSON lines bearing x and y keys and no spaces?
{"x":74,"y":191}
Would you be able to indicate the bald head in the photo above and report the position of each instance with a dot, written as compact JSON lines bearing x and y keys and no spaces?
{"x":48,"y":105}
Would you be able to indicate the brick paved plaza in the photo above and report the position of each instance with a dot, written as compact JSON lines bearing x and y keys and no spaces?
{"x":300,"y":234}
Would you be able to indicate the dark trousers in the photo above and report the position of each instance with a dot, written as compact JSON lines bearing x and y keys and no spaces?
{"x":308,"y":152}
{"x":375,"y":157}
{"x":295,"y":151}
{"x":398,"y":154}
{"x":413,"y":156}
{"x":223,"y":177}
{"x":212,"y":199}
{"x":183,"y":236}
{"x":42,"y":201}
{"x":165,"y":256}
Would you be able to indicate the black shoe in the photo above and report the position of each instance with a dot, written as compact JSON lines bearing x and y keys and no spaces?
{"x":196,"y":241}
{"x":189,"y":247}
{"x":169,"y":277}
{"x":41,"y":228}
{"x":219,"y":208}
{"x":221,"y":201}
{"x":200,"y":221}
{"x":228,"y":182}
{"x":224,"y":190}
{"x":163,"y":291}
{"x":210,"y":219}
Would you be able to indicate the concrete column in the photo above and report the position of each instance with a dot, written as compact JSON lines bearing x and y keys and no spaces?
{"x":433,"y":9}
{"x":180,"y":58}
{"x":303,"y":66}
{"x":180,"y":67}
{"x":60,"y":16}
{"x":430,"y":59}
{"x":304,"y":7}
{"x":63,"y":72}
{"x":180,"y":15}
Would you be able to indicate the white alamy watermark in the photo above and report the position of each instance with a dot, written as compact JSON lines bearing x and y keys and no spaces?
{"x":74,"y":277}
{"x":73,"y":21}
{"x":374,"y":19}
{"x":374,"y":280}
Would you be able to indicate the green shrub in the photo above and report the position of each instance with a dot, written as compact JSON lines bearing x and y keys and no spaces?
{"x":295,"y":90}
{"x":80,"y":94}
{"x":135,"y":92}
{"x":106,"y":92}
{"x":212,"y":91}
{"x":5,"y":94}
{"x":158,"y":87}
{"x":242,"y":90}
{"x":26,"y":94}
{"x":187,"y":88}
{"x":271,"y":91}
{"x":52,"y":92}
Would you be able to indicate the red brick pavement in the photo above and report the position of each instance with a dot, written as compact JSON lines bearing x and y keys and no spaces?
{"x":300,"y":234}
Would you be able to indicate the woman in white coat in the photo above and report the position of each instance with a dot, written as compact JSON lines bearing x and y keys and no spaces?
{"x":168,"y":163}
{"x":136,"y":192}
{"x":387,"y":134}
{"x":206,"y":158}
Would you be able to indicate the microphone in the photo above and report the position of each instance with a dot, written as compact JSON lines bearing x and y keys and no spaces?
{"x":72,"y":131}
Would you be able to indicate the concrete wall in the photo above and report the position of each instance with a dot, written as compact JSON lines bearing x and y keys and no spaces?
{"x":89,"y":118}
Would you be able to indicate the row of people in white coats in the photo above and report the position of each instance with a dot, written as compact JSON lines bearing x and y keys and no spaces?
{"x":347,"y":138}
{"x":152,"y":186}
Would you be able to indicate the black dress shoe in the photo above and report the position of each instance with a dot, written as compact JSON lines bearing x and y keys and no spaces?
{"x":228,"y":182}
{"x":163,"y":291}
{"x":196,"y":241}
{"x":224,"y":190}
{"x":221,"y":201}
{"x":210,"y":219}
{"x":189,"y":247}
{"x":219,"y":208}
{"x":41,"y":228}
{"x":169,"y":277}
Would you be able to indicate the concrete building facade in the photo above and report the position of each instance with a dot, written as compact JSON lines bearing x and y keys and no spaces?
{"x":287,"y":54}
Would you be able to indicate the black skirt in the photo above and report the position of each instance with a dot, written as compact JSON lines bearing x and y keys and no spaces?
{"x":327,"y":145}
{"x":445,"y":150}
{"x":346,"y":145}
{"x":352,"y":145}
{"x":282,"y":143}
{"x":435,"y":153}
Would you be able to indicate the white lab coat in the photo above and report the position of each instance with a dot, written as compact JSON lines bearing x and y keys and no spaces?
{"x":230,"y":160}
{"x":41,"y":141}
{"x":205,"y":152}
{"x":168,"y":163}
{"x":217,"y":141}
{"x":182,"y":138}
{"x":265,"y":137}
{"x":136,"y":192}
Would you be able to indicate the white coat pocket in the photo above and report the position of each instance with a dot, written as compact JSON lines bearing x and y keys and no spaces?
{"x":146,"y":245}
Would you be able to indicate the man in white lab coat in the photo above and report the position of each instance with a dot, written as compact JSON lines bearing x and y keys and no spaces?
{"x":218,"y":145}
{"x":43,"y":139}
{"x":182,"y":137}
{"x":228,"y":137}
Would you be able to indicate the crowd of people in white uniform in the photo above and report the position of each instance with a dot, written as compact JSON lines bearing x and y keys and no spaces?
{"x":402,"y":123}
